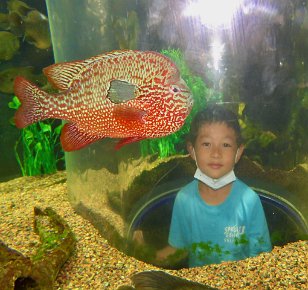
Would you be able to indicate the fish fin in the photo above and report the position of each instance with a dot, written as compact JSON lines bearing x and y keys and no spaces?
{"x":157,"y":280}
{"x":126,"y":141}
{"x":62,"y":75}
{"x":121,"y":91}
{"x":30,"y":97}
{"x":125,"y":287}
{"x":128,"y":114}
{"x":73,"y":139}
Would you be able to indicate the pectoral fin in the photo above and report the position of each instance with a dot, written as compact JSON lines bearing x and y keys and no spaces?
{"x":73,"y":139}
{"x":124,"y":114}
{"x":126,"y":141}
{"x":121,"y":91}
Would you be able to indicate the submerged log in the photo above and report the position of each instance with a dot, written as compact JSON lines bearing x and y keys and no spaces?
{"x":13,"y":267}
{"x":40,"y":271}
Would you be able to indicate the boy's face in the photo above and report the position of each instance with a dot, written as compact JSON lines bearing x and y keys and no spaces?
{"x":215,"y":149}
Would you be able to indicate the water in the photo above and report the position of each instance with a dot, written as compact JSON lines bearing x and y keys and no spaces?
{"x":254,"y":61}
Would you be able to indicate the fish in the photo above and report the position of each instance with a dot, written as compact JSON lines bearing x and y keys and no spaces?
{"x":16,"y":24}
{"x":4,"y":21}
{"x":9,"y":45}
{"x":8,"y":76}
{"x":27,"y":22}
{"x":158,"y":280}
{"x":37,"y":31}
{"x":13,"y":23}
{"x":126,"y":94}
{"x":18,"y":7}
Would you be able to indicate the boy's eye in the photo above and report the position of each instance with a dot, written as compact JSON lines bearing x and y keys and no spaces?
{"x":206,"y":144}
{"x":226,"y":145}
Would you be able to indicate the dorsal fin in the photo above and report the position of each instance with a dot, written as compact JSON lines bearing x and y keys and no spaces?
{"x":61,"y":75}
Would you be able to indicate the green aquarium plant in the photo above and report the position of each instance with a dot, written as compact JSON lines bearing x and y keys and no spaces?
{"x":283,"y":149}
{"x":205,"y":249}
{"x":38,"y":149}
{"x":175,"y":143}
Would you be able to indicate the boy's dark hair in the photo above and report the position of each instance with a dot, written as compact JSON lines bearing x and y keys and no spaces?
{"x":215,"y":114}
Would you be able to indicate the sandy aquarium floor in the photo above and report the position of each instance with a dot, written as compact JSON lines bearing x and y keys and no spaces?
{"x":97,"y":265}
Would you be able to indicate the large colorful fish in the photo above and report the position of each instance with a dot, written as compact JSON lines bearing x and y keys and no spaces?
{"x":131,"y":95}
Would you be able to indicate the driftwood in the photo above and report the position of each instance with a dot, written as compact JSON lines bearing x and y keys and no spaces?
{"x":40,"y":271}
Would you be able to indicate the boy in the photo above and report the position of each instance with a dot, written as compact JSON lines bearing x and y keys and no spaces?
{"x":216,"y":217}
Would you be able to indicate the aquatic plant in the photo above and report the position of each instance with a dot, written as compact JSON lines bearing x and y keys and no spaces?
{"x":10,"y":45}
{"x":255,"y":137}
{"x":241,"y":240}
{"x":283,"y":149}
{"x":175,"y":143}
{"x":53,"y":230}
{"x":39,"y":146}
{"x":204,"y":249}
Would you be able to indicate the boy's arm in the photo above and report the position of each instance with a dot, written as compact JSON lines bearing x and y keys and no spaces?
{"x":170,"y":256}
{"x":164,"y":257}
{"x":165,"y":252}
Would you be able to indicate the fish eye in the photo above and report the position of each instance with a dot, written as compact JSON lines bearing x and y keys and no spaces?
{"x":175,"y":89}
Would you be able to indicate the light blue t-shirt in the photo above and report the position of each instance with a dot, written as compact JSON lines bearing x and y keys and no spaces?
{"x":233,"y":230}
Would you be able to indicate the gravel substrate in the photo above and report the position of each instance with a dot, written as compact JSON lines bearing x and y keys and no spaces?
{"x":97,"y":265}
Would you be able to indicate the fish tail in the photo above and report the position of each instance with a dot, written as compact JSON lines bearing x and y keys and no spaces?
{"x":157,"y":280}
{"x":30,"y":97}
{"x":153,"y":280}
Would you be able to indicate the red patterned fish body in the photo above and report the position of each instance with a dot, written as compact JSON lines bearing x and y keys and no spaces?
{"x":122,"y":94}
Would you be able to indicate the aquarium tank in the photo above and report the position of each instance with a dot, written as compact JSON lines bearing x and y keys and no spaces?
{"x":249,"y":56}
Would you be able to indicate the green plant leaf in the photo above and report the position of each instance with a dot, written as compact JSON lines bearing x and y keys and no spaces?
{"x":38,"y":147}
{"x":15,"y":103}
{"x":58,"y":129}
{"x":28,"y":136}
{"x":45,"y":127}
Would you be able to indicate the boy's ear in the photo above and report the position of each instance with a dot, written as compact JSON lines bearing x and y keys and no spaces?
{"x":239,"y":153}
{"x":191,"y":151}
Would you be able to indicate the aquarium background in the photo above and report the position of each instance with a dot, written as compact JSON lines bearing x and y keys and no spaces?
{"x":25,"y":48}
{"x":252,"y":60}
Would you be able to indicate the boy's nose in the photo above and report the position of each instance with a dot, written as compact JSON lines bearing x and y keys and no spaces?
{"x":216,"y":151}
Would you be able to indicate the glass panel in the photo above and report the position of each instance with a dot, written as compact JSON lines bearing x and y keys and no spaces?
{"x":249,"y":55}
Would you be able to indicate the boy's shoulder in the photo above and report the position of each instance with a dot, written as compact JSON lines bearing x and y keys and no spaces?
{"x":244,"y":191}
{"x":188,"y":189}
{"x":190,"y":186}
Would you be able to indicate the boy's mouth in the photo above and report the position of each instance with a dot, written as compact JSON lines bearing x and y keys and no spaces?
{"x":215,"y":165}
